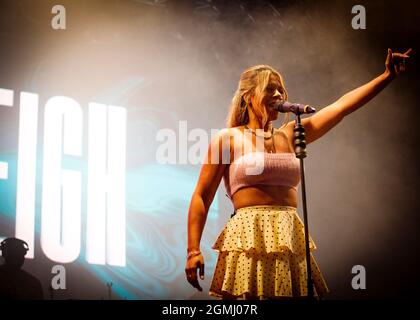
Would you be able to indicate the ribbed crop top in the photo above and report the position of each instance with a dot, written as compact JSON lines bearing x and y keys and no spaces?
{"x":261,"y":168}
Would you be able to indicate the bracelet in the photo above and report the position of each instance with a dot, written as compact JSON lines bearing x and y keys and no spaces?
{"x":193,"y":253}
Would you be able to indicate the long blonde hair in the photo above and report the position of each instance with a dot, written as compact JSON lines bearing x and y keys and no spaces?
{"x":253,"y":82}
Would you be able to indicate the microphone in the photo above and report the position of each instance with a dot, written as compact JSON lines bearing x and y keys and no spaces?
{"x":296,"y":108}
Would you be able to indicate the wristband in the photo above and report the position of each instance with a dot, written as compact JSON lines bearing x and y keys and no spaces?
{"x":193,"y":253}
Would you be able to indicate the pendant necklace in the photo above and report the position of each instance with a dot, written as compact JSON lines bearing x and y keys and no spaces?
{"x":265,"y":137}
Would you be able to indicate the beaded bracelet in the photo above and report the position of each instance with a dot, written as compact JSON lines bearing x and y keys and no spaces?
{"x":193,"y":254}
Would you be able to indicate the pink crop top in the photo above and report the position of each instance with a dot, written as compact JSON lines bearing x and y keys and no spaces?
{"x":261,"y":168}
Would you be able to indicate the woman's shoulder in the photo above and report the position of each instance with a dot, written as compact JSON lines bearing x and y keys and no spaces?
{"x":228,"y":139}
{"x":285,"y":128}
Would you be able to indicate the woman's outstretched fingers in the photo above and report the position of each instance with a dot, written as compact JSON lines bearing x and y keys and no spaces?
{"x":388,"y":57}
{"x":400,"y":55}
{"x":408,"y":52}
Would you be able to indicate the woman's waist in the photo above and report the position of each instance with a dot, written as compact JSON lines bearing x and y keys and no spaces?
{"x":271,"y":207}
{"x":265,"y":196}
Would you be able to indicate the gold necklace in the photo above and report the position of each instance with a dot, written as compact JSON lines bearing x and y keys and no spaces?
{"x":259,"y":135}
{"x":265,"y":137}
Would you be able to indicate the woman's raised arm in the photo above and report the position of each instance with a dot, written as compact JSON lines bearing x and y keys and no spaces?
{"x":324,"y":120}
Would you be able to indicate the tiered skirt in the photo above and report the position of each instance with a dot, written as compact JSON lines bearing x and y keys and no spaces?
{"x":262,"y":256}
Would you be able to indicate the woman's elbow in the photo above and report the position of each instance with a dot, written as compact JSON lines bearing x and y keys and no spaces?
{"x":205,"y":198}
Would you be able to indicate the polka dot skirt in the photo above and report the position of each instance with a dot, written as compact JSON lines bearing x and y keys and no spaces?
{"x":262,"y":256}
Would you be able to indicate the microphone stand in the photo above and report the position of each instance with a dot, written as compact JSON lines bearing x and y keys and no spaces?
{"x":300,"y":151}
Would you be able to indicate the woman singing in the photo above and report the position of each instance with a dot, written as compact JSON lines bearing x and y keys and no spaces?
{"x":262,"y":247}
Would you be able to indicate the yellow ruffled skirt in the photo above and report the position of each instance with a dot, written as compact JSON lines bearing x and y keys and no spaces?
{"x":262,"y":256}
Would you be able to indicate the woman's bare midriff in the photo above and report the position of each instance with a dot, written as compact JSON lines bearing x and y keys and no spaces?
{"x":265,"y":195}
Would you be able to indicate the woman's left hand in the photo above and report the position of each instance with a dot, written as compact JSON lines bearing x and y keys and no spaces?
{"x":396,"y":62}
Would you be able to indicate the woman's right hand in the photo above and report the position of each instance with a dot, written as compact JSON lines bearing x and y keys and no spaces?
{"x":194,"y":263}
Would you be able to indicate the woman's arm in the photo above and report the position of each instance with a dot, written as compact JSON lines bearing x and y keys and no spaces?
{"x":324,"y":120}
{"x":209,"y":179}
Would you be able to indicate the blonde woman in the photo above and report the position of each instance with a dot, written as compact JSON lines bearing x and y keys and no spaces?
{"x":262,"y":249}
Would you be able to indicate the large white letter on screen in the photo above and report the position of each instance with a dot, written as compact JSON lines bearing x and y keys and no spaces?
{"x":61,"y":189}
{"x":105,"y":234}
{"x":26,"y":172}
